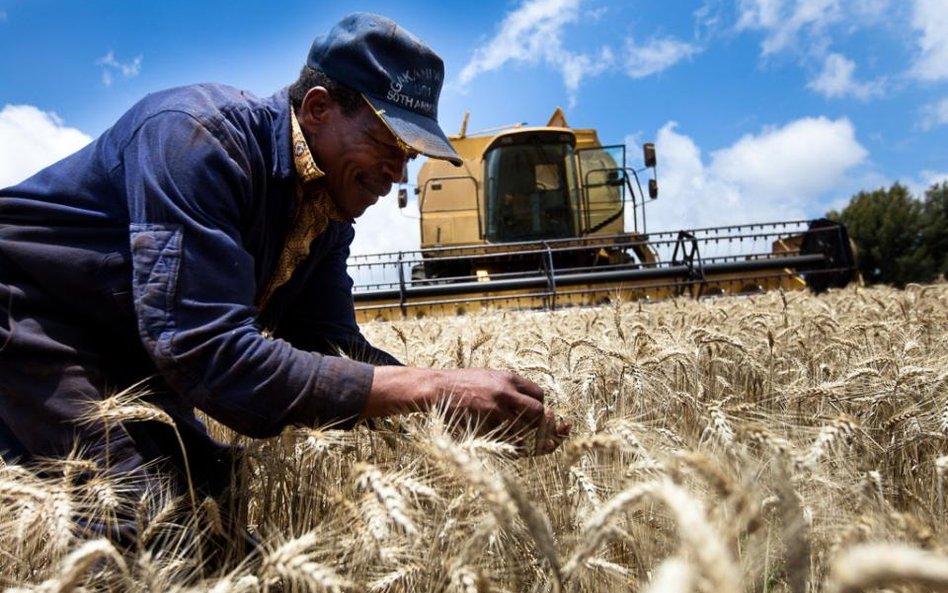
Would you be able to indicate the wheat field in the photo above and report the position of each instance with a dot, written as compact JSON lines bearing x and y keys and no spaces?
{"x":778,"y":442}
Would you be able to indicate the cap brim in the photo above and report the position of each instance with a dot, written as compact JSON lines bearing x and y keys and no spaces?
{"x":421,"y":133}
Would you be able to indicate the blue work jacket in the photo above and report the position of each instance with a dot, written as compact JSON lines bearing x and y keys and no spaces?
{"x":168,"y":227}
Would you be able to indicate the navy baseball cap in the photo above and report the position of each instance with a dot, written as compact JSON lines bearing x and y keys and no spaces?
{"x":396,"y":73}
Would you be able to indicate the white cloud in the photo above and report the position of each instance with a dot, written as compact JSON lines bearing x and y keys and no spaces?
{"x":790,"y":23}
{"x":931,"y":18}
{"x":655,"y":56}
{"x":933,"y":178}
{"x":534,"y":34}
{"x":779,"y":174}
{"x":111,"y":66}
{"x":386,"y":228}
{"x":575,"y":67}
{"x":935,"y":114}
{"x":836,"y":80}
{"x":758,"y":14}
{"x":31,"y":139}
{"x":920,"y":184}
{"x":595,"y":15}
{"x":803,"y":158}
{"x":808,"y":30}
{"x":871,"y":10}
{"x":690,"y":195}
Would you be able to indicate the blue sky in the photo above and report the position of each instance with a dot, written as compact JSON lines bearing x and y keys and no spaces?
{"x":760,"y":109}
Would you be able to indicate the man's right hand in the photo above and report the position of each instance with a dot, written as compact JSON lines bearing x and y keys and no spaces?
{"x":492,"y":398}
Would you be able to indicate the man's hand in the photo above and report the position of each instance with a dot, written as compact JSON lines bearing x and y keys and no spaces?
{"x":493,"y":397}
{"x":551,"y":432}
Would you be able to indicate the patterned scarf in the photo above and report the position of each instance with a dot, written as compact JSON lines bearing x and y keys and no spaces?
{"x":314,"y":209}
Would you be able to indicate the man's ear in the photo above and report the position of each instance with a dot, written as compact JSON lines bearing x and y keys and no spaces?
{"x":315,"y":108}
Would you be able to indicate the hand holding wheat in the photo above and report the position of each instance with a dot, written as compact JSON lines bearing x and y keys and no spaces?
{"x":498,"y":401}
{"x":550,"y":434}
{"x":509,"y":405}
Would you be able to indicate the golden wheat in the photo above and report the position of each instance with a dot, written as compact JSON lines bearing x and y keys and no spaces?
{"x":779,"y":442}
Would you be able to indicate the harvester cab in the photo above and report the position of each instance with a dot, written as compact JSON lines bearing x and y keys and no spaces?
{"x":523,"y":187}
{"x":527,"y":195}
{"x":530,"y":184}
{"x":537,"y":217}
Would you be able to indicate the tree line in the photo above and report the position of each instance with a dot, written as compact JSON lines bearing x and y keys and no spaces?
{"x":900,"y":239}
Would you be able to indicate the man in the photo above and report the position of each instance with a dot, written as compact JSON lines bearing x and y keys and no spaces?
{"x":201,"y":244}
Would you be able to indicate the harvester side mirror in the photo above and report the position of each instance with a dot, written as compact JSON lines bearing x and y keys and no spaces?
{"x":652,"y":188}
{"x":648,"y":154}
{"x":402,"y":197}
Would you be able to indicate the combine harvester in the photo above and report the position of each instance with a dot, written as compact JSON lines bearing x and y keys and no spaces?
{"x":536,"y":219}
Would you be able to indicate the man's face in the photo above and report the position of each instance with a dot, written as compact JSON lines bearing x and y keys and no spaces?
{"x":360,"y":156}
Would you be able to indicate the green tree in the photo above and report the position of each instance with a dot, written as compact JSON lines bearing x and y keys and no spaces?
{"x":935,"y":227}
{"x":893,"y":232}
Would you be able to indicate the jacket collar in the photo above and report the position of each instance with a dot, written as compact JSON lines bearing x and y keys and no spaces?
{"x":306,"y":167}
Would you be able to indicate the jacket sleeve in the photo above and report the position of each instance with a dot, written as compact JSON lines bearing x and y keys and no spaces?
{"x":187,"y":182}
{"x":322,"y":317}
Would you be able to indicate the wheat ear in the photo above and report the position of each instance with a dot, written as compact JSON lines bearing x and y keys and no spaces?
{"x":709,"y":550}
{"x":294,"y":562}
{"x":464,"y":465}
{"x":538,"y":524}
{"x":597,"y":525}
{"x":465,"y":579}
{"x":370,"y":479}
{"x":872,"y":566}
{"x":129,"y":405}
{"x":674,"y":575}
{"x":234,"y":584}
{"x":78,"y":563}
